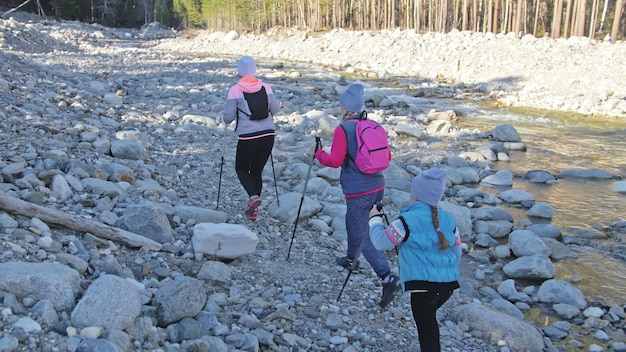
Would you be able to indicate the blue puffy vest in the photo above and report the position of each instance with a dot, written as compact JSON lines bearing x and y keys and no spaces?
{"x":420,"y":257}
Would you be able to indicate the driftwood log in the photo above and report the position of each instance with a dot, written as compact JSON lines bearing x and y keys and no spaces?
{"x":76,"y":223}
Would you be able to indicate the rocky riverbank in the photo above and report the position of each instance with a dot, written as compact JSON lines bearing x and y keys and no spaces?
{"x":574,"y":75}
{"x":98,"y":124}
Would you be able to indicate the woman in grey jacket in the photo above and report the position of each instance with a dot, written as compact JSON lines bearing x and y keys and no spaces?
{"x":254,"y":127}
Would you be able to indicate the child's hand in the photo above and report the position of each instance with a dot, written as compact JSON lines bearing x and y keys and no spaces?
{"x":375,"y":211}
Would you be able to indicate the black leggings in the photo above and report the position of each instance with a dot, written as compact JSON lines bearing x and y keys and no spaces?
{"x":424,"y":306}
{"x":252,"y":155}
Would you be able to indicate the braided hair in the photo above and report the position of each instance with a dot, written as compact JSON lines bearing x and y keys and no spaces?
{"x":435,"y":216}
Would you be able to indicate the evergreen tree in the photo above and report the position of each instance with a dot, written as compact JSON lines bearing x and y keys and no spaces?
{"x":189,"y":11}
{"x":79,"y":10}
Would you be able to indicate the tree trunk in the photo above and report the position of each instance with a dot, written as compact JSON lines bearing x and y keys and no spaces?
{"x":619,"y":7}
{"x":475,"y":24}
{"x":506,"y":17}
{"x":518,"y":18}
{"x":580,"y":18}
{"x":489,"y":17}
{"x":5,"y":14}
{"x":557,"y":14}
{"x":594,"y":19}
{"x":393,"y":15}
{"x":418,"y":15}
{"x":606,"y":5}
{"x":464,"y":24}
{"x":76,"y":223}
{"x":568,"y":12}
{"x":574,"y":19}
{"x":536,"y":18}
{"x":496,"y":16}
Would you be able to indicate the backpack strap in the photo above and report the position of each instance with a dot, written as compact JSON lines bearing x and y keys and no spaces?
{"x":362,"y":116}
{"x":406,"y":228}
{"x":348,"y":156}
{"x":243,"y":112}
{"x":240,"y":111}
{"x":347,"y":147}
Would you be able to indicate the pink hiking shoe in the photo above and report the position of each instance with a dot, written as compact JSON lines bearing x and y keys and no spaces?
{"x":254,"y":215}
{"x":251,"y":208}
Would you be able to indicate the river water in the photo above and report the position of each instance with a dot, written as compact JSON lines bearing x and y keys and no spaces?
{"x":555,"y":142}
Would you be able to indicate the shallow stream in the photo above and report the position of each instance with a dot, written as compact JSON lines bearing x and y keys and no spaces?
{"x":555,"y":142}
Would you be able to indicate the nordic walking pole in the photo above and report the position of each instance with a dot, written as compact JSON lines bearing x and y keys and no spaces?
{"x":275,"y":185}
{"x":318,"y":145}
{"x":355,"y":263}
{"x":219,"y":185}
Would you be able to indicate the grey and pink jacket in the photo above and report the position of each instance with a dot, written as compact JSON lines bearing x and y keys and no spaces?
{"x":246,"y":128}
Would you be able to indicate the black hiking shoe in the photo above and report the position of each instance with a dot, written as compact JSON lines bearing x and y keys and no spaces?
{"x":347,"y":263}
{"x":389,"y":289}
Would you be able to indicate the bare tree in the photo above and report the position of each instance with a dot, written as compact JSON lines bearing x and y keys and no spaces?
{"x":464,"y":20}
{"x":606,"y":6}
{"x":148,"y":8}
{"x":506,"y":20}
{"x":557,"y":14}
{"x":489,"y":17}
{"x":536,"y":17}
{"x":581,"y":10}
{"x":594,"y":19}
{"x":566,"y":23}
{"x":475,"y":23}
{"x":619,"y":7}
{"x":418,"y":15}
{"x":518,"y":18}
{"x":496,"y":14}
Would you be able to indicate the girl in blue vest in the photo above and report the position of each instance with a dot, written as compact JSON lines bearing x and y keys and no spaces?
{"x":361,"y":192}
{"x":429,"y":251}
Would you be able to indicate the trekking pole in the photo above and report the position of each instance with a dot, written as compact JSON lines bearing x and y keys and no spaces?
{"x":219,"y":185}
{"x":275,"y":185}
{"x":355,"y":263}
{"x":318,"y":145}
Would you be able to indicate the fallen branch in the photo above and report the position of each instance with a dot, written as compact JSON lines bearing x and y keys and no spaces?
{"x":4,"y":15}
{"x":77,"y":223}
{"x":39,"y":9}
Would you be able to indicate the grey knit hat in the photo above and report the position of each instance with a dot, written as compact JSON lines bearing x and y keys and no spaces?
{"x":429,"y":186}
{"x":246,"y":66}
{"x":352,"y":98}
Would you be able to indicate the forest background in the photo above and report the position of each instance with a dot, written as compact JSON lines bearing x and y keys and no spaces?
{"x":596,"y":19}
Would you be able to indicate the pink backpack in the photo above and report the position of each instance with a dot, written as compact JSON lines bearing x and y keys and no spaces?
{"x":373,"y":153}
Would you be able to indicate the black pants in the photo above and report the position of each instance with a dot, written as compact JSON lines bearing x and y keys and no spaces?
{"x":250,"y":160}
{"x":424,"y":306}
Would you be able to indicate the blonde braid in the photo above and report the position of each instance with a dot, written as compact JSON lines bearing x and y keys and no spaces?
{"x":444,"y":241}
